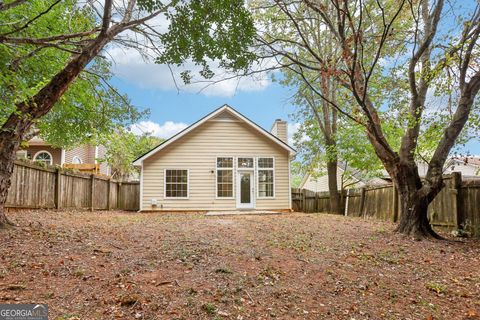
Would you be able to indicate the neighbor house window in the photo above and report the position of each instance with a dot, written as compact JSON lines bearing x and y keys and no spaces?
{"x":225,"y":177}
{"x":266,"y":177}
{"x":176,"y":183}
{"x":43,"y":157}
{"x":76,"y":160}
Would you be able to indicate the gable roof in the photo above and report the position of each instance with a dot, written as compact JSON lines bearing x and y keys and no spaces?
{"x":225,"y":107}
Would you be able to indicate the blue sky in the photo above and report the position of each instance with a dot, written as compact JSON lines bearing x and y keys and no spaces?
{"x":263,"y":107}
{"x":152,"y":86}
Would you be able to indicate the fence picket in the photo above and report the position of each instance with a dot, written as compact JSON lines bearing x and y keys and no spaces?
{"x":36,"y":187}
{"x":456,"y":206}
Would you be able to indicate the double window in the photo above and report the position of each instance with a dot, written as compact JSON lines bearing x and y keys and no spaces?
{"x":176,"y":183}
{"x":224,"y":168}
{"x":266,"y":177}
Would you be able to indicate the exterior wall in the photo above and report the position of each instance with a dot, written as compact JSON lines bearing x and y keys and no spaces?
{"x":56,"y":153}
{"x":101,"y":152}
{"x":84,"y":152}
{"x":279,"y":129}
{"x":320,"y":184}
{"x":197,"y":152}
{"x":88,"y":155}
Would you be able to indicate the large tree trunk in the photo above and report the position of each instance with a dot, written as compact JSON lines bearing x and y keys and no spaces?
{"x":9,"y":143}
{"x":414,"y":202}
{"x":27,"y":112}
{"x":333,"y":186}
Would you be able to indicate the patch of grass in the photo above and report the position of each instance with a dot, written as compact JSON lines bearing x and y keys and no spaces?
{"x":436,"y":287}
{"x":381,"y":230}
{"x":388,"y":257}
{"x":79,"y":272}
{"x":209,"y":308}
{"x":297,"y":241}
{"x":269,"y":274}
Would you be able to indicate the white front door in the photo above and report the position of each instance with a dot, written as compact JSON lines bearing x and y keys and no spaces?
{"x":245,"y":191}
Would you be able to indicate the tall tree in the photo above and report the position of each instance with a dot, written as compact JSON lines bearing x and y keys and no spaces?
{"x":376,"y":38}
{"x":373,"y":36}
{"x":216,"y":29}
{"x":325,"y":115}
{"x":123,"y":147}
{"x":326,"y":119}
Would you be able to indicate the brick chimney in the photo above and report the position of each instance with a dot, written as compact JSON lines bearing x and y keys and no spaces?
{"x":279,"y":129}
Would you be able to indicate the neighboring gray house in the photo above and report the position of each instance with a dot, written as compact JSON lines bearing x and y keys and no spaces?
{"x":469,"y":168}
{"x":318,"y":182}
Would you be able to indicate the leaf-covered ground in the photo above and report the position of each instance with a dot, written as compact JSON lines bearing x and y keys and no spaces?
{"x":296,"y":266}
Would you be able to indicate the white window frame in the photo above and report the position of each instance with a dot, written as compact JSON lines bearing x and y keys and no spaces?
{"x":79,"y":159}
{"x":246,"y":168}
{"x":165,"y":184}
{"x":233,"y":177}
{"x":44,"y":151}
{"x":257,"y":177}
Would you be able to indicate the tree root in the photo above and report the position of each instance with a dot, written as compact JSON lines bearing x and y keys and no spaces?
{"x":419,"y":233}
{"x":5,"y":222}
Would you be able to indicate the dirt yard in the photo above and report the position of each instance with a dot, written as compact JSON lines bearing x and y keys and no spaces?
{"x":155,"y":266}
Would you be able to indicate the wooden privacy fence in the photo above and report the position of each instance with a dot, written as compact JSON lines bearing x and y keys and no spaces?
{"x":36,"y":187}
{"x":457,"y":206}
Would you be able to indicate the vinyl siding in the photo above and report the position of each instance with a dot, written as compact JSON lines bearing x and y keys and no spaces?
{"x":197,"y":152}
{"x":320,"y":183}
{"x":102,"y":151}
{"x":84,"y":152}
{"x":87,"y":154}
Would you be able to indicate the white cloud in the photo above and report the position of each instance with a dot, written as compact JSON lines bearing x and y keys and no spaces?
{"x":165,"y":131}
{"x":129,"y":65}
{"x":292,"y":128}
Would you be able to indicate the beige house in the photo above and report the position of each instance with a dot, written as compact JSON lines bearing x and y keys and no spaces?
{"x":223,"y":162}
{"x":83,"y":158}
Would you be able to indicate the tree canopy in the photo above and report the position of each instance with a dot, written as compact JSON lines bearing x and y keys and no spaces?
{"x":92,"y":107}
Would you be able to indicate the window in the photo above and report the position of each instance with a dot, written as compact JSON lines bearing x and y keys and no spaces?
{"x":224,"y":177}
{"x":176,"y":183}
{"x":265,"y":174}
{"x":43,"y":157}
{"x":76,"y":160}
{"x":245,"y":163}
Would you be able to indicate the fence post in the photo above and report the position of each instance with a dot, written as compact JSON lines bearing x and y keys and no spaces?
{"x":58,"y":189}
{"x":304,"y":201}
{"x":362,"y":201}
{"x":118,"y":195}
{"x":316,"y":202}
{"x":395,"y":203}
{"x":109,"y":182}
{"x":347,"y":196}
{"x":92,"y":191}
{"x":456,"y":194}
